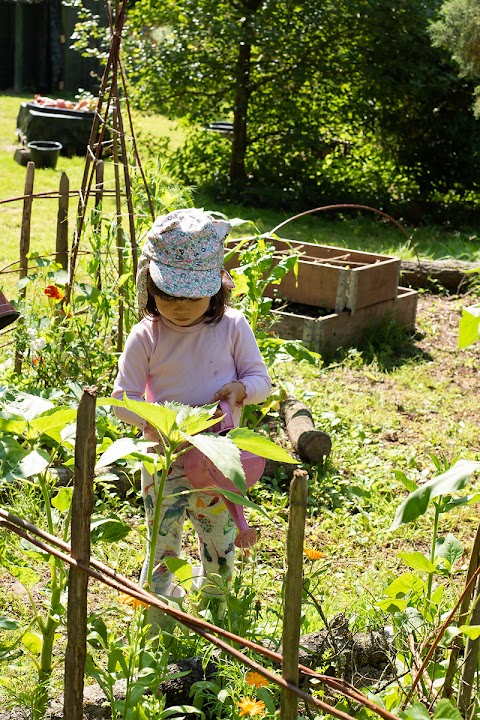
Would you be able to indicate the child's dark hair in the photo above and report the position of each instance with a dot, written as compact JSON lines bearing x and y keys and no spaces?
{"x":215,"y":311}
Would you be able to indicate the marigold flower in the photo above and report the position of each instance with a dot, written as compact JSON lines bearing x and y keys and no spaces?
{"x":255,"y":679}
{"x":313,"y":554}
{"x":52,"y":291}
{"x":251,"y":707}
{"x":132,"y":601}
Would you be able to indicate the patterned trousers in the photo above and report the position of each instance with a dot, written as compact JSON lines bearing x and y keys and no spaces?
{"x":212,"y":523}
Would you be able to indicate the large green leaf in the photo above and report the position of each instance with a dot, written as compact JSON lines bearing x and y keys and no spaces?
{"x":224,"y":454}
{"x":448,"y":482}
{"x":176,"y":711}
{"x":194,"y":420}
{"x":403,"y":585}
{"x":469,"y":326}
{"x":23,"y":573}
{"x":12,"y":425}
{"x":63,"y":499}
{"x":27,"y":406}
{"x":181,"y":569}
{"x":32,"y":464}
{"x":109,"y":529}
{"x":161,"y":417}
{"x":471,"y":631}
{"x":415,"y":712}
{"x":446,"y":711}
{"x":417,"y":561}
{"x":243,"y":500}
{"x":7,"y":623}
{"x":11,"y":452}
{"x":449,"y":548}
{"x":249,"y":440}
{"x":52,"y":423}
{"x":122,"y":448}
{"x":33,"y":642}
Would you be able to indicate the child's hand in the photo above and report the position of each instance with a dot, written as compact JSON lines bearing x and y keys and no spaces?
{"x":234,"y":393}
{"x":150,"y":433}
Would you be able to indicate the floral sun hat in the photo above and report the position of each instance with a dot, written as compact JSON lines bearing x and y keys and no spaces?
{"x":184,"y":253}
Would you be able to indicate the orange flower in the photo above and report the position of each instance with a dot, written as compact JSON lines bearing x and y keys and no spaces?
{"x":251,"y":707}
{"x":255,"y":679}
{"x":313,"y":554}
{"x":52,"y":291}
{"x":129,"y":600}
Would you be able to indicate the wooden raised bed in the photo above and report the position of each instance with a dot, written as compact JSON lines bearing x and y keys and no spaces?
{"x":327,"y":333}
{"x":338,"y":295}
{"x":338,"y":278}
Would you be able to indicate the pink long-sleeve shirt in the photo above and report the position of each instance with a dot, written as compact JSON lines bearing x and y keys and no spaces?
{"x":164,"y":362}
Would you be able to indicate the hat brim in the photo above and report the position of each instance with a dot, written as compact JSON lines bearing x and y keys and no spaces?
{"x":185,"y":283}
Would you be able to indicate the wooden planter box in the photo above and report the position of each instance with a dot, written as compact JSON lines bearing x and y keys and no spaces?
{"x":338,"y":278}
{"x":356,"y":290}
{"x":328,"y":333}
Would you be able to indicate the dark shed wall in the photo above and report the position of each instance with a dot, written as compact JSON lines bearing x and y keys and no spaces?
{"x":7,"y":45}
{"x":35,"y":53}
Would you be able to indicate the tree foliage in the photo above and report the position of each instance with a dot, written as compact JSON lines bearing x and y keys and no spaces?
{"x":272,"y":67}
{"x":339,"y":101}
{"x":409,"y":95}
{"x":458,"y":31}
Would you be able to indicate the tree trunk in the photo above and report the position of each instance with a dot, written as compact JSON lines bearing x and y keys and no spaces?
{"x":238,"y":173}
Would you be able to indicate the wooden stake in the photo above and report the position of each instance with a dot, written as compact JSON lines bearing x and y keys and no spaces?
{"x":118,"y":202}
{"x":97,"y":224}
{"x":26,"y":220}
{"x":62,"y":221}
{"x":25,"y":246}
{"x":293,"y":592}
{"x":82,"y":506}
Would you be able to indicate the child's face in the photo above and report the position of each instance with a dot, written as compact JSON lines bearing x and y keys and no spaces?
{"x":182,"y":311}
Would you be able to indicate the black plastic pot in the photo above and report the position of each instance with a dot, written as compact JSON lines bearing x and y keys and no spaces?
{"x":44,"y":153}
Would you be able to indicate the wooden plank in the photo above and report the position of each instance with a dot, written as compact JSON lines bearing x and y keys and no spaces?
{"x":317,"y":285}
{"x":82,"y":506}
{"x":325,"y":252}
{"x":373,"y":284}
{"x":293,"y":592}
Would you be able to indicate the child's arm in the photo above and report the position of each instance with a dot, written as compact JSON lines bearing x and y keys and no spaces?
{"x":253,"y":383}
{"x":132,"y":376}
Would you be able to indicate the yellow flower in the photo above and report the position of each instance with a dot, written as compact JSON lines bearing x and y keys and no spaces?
{"x":251,"y":707}
{"x":313,"y":554}
{"x":255,"y":679}
{"x":129,"y":600}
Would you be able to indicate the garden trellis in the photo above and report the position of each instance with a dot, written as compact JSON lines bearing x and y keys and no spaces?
{"x":108,"y":114}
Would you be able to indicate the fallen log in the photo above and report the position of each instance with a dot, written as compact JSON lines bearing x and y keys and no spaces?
{"x":451,"y":275}
{"x":311,"y":444}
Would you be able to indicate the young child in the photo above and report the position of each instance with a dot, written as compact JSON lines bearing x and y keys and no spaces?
{"x":192,"y":348}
